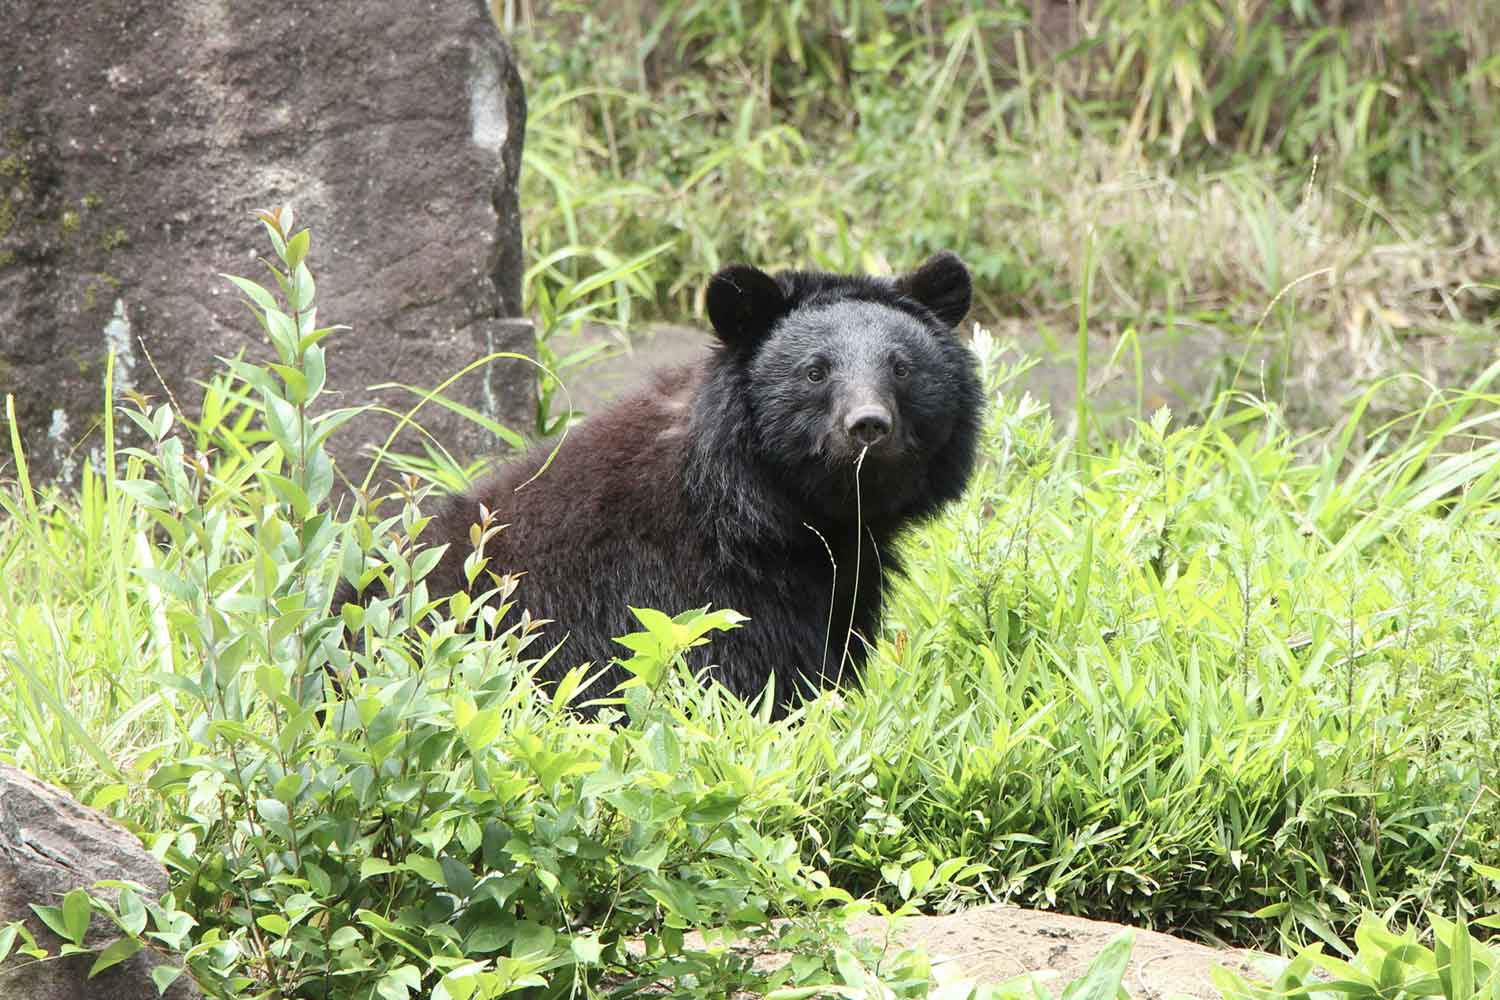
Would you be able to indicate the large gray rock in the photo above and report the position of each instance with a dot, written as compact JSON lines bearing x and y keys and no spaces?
{"x":137,"y":136}
{"x":49,"y":846}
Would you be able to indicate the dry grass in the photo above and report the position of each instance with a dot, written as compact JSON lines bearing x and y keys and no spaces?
{"x":1308,"y":191}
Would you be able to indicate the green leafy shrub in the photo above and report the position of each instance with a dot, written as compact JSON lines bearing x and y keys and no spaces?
{"x":434,"y":825}
{"x":1216,"y":677}
{"x":1383,"y":965}
{"x":1204,"y":685}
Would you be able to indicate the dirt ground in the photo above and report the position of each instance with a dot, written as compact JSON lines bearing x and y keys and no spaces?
{"x":994,"y":943}
{"x":991,"y":944}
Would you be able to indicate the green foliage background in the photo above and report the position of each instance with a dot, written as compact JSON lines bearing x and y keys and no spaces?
{"x":836,"y":134}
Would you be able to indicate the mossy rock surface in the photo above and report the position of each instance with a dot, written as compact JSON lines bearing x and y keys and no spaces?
{"x":137,"y":140}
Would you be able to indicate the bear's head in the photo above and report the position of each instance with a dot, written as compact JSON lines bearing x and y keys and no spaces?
{"x":853,"y":382}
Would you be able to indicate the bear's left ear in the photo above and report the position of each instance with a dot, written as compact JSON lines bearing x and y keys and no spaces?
{"x":942,"y":285}
{"x":743,"y":303}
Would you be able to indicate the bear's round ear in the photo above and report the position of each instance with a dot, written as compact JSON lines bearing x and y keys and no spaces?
{"x":743,"y":302}
{"x":942,"y":285}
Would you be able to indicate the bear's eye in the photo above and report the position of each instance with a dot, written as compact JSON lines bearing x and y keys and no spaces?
{"x":816,"y":373}
{"x":900,"y":369}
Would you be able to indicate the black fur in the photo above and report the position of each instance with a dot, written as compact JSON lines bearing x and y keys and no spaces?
{"x":728,"y":483}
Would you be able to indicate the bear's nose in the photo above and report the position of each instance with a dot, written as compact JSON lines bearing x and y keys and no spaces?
{"x":868,"y":424}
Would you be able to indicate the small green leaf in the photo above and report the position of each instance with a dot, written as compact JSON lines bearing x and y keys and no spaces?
{"x":533,"y":939}
{"x":1488,"y":871}
{"x":272,"y":811}
{"x":426,"y":867}
{"x":107,"y":796}
{"x":920,"y":874}
{"x":316,"y":369}
{"x":482,"y":730}
{"x":345,"y":937}
{"x":487,"y":937}
{"x":257,"y":294}
{"x":76,"y":912}
{"x":295,"y":382}
{"x":1102,"y":979}
{"x":303,"y":288}
{"x":274,"y":923}
{"x":164,"y":976}
{"x":161,"y":422}
{"x":283,"y":334}
{"x":132,"y":914}
{"x":289,"y":787}
{"x":296,"y":249}
{"x":399,"y":983}
{"x":269,"y":681}
{"x":373,"y":867}
{"x":649,"y":858}
{"x":115,"y":953}
{"x":588,"y":950}
{"x":290,"y":494}
{"x":145,"y":493}
{"x":1461,"y":984}
{"x":469,"y":834}
{"x":284,"y":423}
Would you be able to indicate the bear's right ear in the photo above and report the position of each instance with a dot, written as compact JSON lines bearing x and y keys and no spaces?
{"x":942,"y":285}
{"x":743,"y":303}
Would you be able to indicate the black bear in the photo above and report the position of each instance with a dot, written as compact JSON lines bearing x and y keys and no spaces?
{"x":770,"y":478}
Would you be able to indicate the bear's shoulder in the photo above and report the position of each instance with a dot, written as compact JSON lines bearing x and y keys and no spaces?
{"x":634,"y":445}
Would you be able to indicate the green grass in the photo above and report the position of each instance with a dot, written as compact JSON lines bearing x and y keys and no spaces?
{"x":1206,"y":685}
{"x":1225,"y":681}
{"x":1308,"y":186}
{"x":1203,"y":164}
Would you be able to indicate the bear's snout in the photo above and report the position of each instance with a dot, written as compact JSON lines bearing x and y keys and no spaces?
{"x":868,"y":425}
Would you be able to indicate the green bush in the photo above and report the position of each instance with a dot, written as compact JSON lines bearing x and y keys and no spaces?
{"x":1383,"y":966}
{"x":1215,"y":678}
{"x":433,"y":825}
{"x":1202,"y":682}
